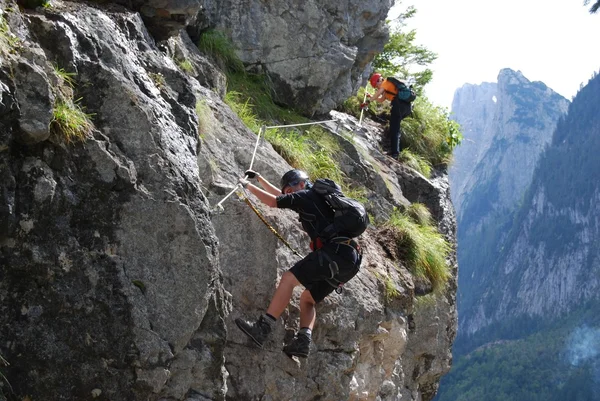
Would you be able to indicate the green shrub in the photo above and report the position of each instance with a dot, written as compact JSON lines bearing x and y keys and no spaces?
{"x":352,"y":104}
{"x":218,"y":46}
{"x":421,"y":246}
{"x":430,"y":133}
{"x":70,"y":121}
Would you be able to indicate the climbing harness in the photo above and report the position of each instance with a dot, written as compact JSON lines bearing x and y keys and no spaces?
{"x":334,"y":269}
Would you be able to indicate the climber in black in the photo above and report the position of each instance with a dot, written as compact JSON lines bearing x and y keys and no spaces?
{"x":312,"y":272}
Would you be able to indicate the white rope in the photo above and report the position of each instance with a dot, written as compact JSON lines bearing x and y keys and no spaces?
{"x":260,"y":132}
{"x":218,"y":205}
{"x":298,"y":125}
{"x":361,"y":109}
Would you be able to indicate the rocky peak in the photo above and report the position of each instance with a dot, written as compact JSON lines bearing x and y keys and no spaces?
{"x":511,"y":77}
{"x":505,"y":133}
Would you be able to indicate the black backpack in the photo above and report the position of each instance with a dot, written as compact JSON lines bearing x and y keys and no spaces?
{"x":406,"y":93}
{"x":350,"y":217}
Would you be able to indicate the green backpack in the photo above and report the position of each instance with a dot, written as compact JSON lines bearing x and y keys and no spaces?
{"x":406,"y":93}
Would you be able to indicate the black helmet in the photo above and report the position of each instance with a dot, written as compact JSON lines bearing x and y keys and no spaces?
{"x":293,"y":177}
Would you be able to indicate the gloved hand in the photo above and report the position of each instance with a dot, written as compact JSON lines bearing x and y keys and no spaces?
{"x":364,"y":105}
{"x":368,"y":95}
{"x":243,"y":182}
{"x":251,"y":174}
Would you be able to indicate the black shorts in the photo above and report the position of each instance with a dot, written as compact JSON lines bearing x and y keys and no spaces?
{"x":313,"y":270}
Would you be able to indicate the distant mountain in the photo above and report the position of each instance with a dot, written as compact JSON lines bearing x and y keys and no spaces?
{"x":550,"y":263}
{"x":506,"y":127}
{"x":533,"y":325}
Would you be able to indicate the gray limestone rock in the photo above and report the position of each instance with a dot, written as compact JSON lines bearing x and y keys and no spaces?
{"x":35,"y":99}
{"x":121,"y":281}
{"x":314,"y":52}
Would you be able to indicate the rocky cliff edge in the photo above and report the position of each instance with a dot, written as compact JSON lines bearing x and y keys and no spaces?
{"x":118,"y":282}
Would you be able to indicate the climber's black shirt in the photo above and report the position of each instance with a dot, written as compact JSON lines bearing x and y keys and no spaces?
{"x":314,"y":213}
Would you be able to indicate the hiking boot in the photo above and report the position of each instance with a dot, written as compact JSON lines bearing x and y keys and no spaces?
{"x":299,"y":346}
{"x":258,"y":331}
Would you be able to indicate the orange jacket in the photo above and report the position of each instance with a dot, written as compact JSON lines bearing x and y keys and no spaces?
{"x":390,"y":90}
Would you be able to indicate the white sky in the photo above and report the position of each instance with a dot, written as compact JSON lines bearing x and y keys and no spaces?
{"x":553,"y":41}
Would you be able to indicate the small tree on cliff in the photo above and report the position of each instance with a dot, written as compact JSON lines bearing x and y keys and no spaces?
{"x":401,"y":54}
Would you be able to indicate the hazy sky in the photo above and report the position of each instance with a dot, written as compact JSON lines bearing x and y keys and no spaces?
{"x":553,"y":41}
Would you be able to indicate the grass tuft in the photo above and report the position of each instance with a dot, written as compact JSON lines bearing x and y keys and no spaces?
{"x":419,"y":213}
{"x":390,"y":291}
{"x":312,"y":150}
{"x":67,"y":78}
{"x":422,"y":247}
{"x":415,"y":161}
{"x":218,"y":46}
{"x":158,"y":79}
{"x":258,"y":89}
{"x":68,"y":118}
{"x":71,"y":121}
{"x":186,"y":66}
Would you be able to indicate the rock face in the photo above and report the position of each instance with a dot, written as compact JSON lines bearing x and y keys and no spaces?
{"x":117,"y":280}
{"x":506,"y":126}
{"x":474,"y":108}
{"x":315,"y":52}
